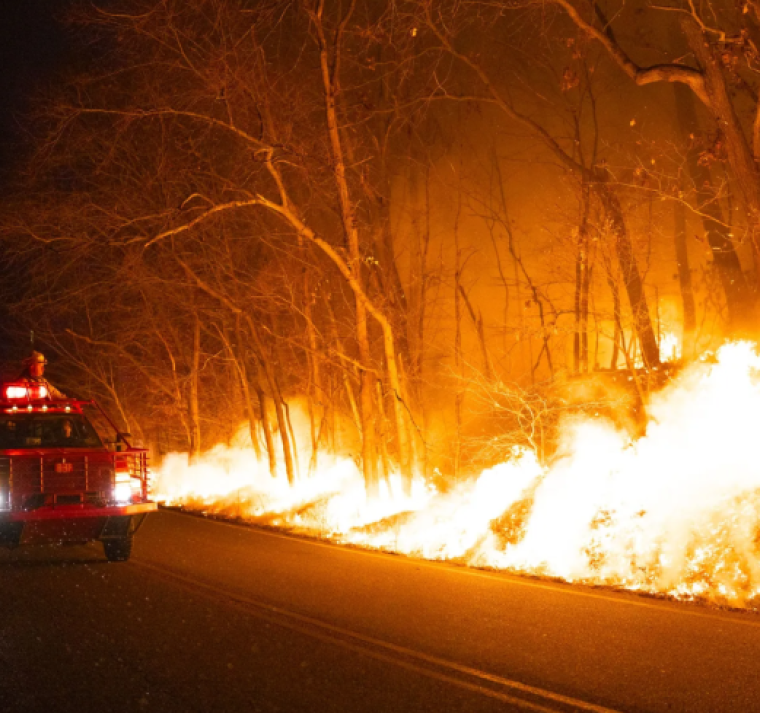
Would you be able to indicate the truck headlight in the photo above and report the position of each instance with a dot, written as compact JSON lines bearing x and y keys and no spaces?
{"x":122,"y":492}
{"x":126,"y":487}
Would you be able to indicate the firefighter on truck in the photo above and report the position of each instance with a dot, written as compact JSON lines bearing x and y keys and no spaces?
{"x":34,"y":374}
{"x":67,"y":474}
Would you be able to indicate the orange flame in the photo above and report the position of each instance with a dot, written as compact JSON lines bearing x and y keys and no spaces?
{"x":676,"y":511}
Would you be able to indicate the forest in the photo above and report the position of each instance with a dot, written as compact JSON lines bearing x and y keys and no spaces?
{"x":433,"y":228}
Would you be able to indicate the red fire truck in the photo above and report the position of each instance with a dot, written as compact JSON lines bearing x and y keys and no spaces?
{"x":67,"y":475}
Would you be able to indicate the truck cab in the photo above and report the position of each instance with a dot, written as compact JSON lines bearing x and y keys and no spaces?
{"x":67,"y":475}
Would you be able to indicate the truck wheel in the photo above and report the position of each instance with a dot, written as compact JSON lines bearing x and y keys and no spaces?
{"x":118,"y":550}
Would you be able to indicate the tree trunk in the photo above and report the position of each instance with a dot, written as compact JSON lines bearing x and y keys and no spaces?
{"x":740,"y":299}
{"x":279,"y":410}
{"x":282,"y":425}
{"x":266,"y":426}
{"x":397,"y":394}
{"x":634,"y":287}
{"x":477,"y":321}
{"x":367,"y":410}
{"x":237,"y":355}
{"x":738,"y":149}
{"x":195,"y":422}
{"x":344,"y":372}
{"x":381,"y":424}
{"x":315,"y":393}
{"x":292,"y":444}
{"x":684,"y":280}
{"x":418,"y":278}
{"x":582,"y":287}
{"x":458,"y":375}
{"x":331,"y":89}
{"x":617,"y":336}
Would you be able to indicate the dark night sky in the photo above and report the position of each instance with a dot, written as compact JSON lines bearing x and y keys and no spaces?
{"x":32,"y":47}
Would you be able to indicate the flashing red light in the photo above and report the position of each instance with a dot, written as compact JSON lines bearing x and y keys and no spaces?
{"x":15,"y":391}
{"x":37,"y":391}
{"x":24,"y":392}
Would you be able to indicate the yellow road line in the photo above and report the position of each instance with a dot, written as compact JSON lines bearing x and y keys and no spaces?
{"x":332,"y":634}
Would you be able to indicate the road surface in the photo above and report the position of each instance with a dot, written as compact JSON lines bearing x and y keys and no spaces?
{"x":209,"y":616}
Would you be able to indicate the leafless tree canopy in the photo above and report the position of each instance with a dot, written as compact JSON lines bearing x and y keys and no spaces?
{"x":424,"y":224}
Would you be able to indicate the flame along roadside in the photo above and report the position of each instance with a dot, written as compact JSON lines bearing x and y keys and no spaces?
{"x":674,"y":512}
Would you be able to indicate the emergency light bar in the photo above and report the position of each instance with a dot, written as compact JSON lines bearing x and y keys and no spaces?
{"x":25,"y":392}
{"x":37,"y":391}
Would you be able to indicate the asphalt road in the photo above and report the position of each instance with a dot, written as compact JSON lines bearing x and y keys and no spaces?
{"x":213,"y":617}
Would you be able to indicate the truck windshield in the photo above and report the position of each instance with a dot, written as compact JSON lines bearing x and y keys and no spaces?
{"x":47,"y":430}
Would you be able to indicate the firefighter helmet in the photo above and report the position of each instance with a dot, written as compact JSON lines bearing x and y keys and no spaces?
{"x":35,"y":358}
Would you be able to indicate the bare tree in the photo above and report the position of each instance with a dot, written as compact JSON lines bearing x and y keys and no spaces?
{"x":596,"y":175}
{"x":724,"y":52}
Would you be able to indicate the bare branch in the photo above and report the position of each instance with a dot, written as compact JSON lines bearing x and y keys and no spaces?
{"x":204,"y":216}
{"x":674,"y":72}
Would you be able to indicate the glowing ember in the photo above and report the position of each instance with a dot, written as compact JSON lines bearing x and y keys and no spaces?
{"x":676,"y":511}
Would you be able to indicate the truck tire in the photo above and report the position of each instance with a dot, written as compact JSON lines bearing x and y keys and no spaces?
{"x":118,"y":549}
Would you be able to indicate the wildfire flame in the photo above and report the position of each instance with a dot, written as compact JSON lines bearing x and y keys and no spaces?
{"x":670,"y":347}
{"x":676,"y":511}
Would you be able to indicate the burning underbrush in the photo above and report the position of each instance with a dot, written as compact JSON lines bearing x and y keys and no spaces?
{"x":676,"y":511}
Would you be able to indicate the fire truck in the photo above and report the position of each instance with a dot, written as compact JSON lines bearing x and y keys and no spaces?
{"x":67,"y":475}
